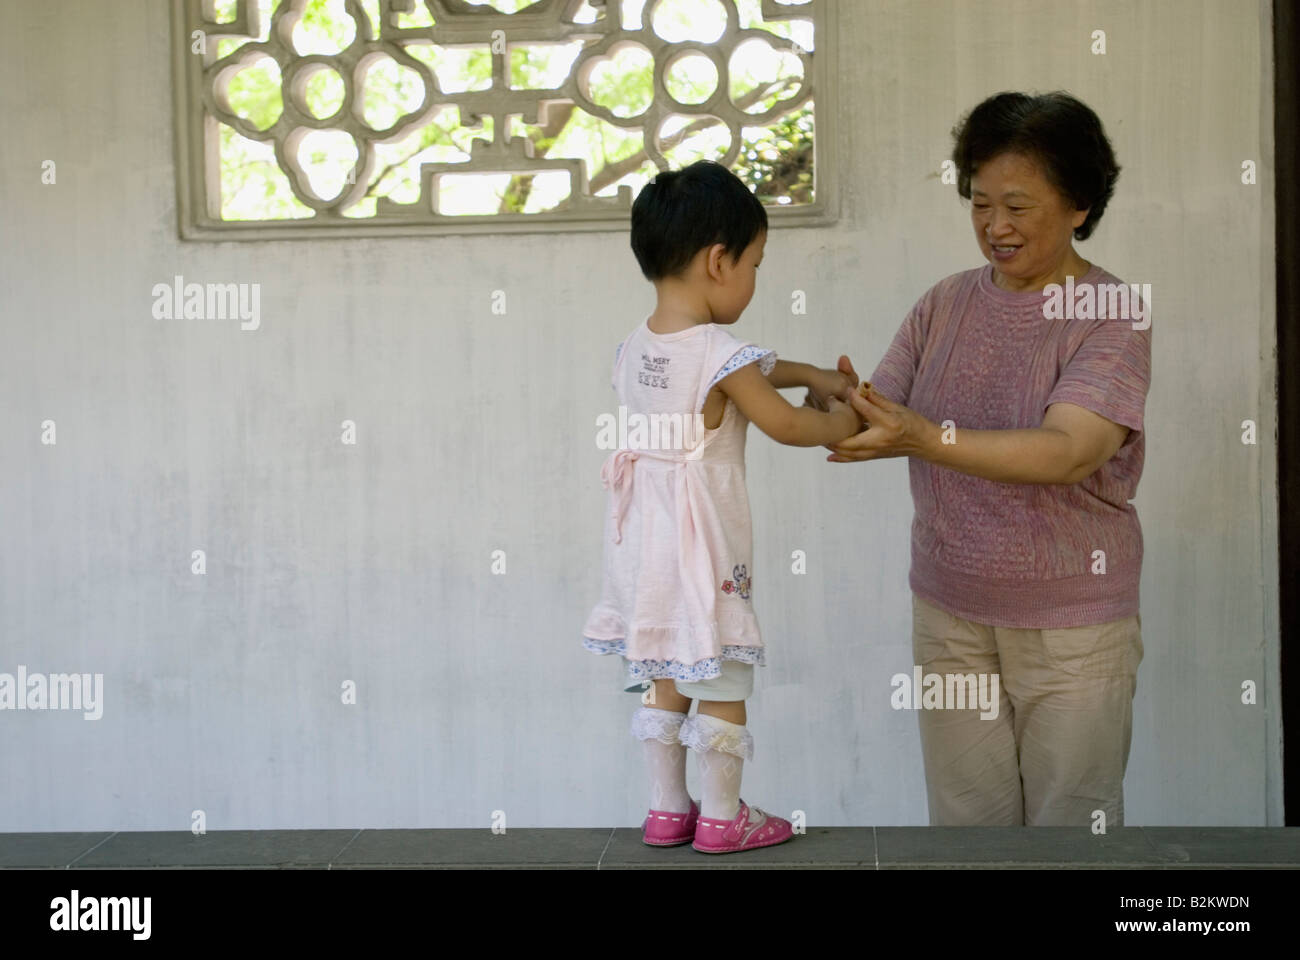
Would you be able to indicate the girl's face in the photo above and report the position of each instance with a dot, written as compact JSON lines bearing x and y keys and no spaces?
{"x":737,"y":288}
{"x":1022,"y":222}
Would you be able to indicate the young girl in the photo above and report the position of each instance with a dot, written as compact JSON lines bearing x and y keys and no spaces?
{"x":678,"y":585}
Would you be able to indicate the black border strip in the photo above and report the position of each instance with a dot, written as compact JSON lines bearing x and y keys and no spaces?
{"x":1286,"y":134}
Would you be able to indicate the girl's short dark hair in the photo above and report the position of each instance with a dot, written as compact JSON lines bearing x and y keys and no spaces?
{"x":1060,"y":132}
{"x":681,"y":211}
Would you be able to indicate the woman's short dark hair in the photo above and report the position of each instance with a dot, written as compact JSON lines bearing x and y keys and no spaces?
{"x":681,"y":211}
{"x":1060,"y":132}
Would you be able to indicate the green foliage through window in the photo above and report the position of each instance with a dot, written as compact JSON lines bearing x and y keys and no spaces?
{"x":389,"y":57}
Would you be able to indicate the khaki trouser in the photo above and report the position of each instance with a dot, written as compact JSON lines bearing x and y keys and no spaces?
{"x":1059,"y":745}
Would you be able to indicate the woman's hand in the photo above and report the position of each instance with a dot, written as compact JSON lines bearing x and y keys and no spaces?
{"x":893,"y":430}
{"x":839,"y":383}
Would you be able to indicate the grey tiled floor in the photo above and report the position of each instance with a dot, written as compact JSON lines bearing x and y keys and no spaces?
{"x":621,"y":849}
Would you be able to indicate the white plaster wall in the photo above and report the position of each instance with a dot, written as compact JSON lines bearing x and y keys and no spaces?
{"x":371,"y":563}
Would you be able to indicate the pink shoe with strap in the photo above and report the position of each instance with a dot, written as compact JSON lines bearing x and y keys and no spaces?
{"x":664,"y":828}
{"x":752,"y":828}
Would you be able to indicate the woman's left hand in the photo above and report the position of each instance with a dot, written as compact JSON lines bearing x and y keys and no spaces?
{"x":893,"y":430}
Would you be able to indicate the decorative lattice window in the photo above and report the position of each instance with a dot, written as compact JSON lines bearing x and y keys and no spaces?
{"x":305,"y":118}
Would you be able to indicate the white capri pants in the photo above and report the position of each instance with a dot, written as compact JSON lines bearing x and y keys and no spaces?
{"x":736,"y":682}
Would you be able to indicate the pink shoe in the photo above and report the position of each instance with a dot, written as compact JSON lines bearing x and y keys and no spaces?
{"x":751,"y":829}
{"x":667,"y":829}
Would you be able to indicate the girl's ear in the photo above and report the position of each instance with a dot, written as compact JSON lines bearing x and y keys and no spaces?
{"x":712,"y":261}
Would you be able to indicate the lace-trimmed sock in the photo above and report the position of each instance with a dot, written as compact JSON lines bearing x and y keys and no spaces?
{"x":722,"y":748}
{"x":665,"y":758}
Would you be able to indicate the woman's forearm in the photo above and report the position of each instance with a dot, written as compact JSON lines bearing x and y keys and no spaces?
{"x":1035,"y":455}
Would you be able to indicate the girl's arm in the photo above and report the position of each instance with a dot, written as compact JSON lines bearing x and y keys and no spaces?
{"x":824,"y":383}
{"x":756,"y":397}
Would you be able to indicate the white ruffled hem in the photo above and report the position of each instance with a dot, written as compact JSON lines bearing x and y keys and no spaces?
{"x":653,"y":724}
{"x":703,"y":733}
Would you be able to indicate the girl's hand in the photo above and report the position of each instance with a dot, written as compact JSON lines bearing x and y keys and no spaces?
{"x":831,"y":383}
{"x":893,"y":430}
{"x":845,"y":415}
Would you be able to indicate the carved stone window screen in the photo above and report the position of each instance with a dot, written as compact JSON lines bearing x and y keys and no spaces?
{"x":201,"y":74}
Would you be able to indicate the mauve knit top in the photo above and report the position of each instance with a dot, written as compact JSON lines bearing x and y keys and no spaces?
{"x":1011,"y":554}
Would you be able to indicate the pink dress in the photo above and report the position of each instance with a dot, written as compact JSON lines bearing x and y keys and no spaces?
{"x":676,"y":598}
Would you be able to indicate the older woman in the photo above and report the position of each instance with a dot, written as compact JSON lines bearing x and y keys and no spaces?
{"x":1024,"y":433}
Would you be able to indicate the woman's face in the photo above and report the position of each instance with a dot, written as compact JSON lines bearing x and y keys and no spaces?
{"x":1022,"y":222}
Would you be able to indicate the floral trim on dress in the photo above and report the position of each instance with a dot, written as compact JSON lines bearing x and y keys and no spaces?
{"x":766,"y":361}
{"x":709,"y":668}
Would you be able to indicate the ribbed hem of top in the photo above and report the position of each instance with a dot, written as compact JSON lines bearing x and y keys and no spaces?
{"x":1031,"y":604}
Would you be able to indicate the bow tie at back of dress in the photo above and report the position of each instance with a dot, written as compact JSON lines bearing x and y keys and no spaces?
{"x":617,"y":473}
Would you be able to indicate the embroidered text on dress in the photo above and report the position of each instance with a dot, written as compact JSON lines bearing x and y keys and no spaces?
{"x":653,"y":372}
